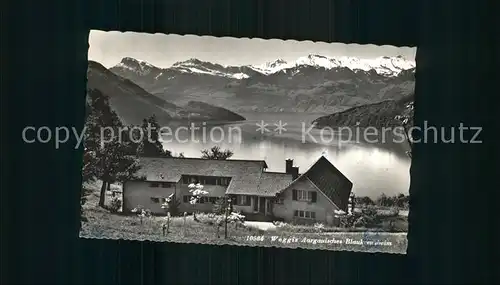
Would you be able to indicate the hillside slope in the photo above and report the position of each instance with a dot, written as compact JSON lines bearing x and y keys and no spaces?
{"x":132,"y":103}
{"x":378,"y":115}
{"x":204,"y":111}
{"x":129,"y":101}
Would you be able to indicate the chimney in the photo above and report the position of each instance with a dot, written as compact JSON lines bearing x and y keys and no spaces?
{"x":290,"y":169}
{"x":288,"y":165}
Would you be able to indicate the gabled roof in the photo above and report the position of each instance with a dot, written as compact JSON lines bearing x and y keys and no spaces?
{"x":271,"y":183}
{"x":329,"y":180}
{"x":245,"y":174}
{"x":248,"y":177}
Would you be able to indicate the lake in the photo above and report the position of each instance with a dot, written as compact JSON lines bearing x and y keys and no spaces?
{"x":373,"y":167}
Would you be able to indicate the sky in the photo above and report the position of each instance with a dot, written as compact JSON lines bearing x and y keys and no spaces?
{"x":161,"y":50}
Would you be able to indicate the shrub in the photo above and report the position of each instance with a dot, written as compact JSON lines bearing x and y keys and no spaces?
{"x":214,"y":219}
{"x":115,"y":205}
{"x":369,"y":211}
{"x":206,"y":218}
{"x":300,"y":228}
{"x":279,"y":224}
{"x":171,"y":205}
{"x":174,"y":208}
{"x":219,"y":206}
{"x":289,"y":228}
{"x":392,"y":212}
{"x":142,"y":213}
{"x":236,"y":218}
{"x":319,"y":226}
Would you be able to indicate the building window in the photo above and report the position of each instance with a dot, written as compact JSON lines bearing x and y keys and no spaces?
{"x":166,"y":184}
{"x":154,"y":184}
{"x":304,"y":214}
{"x":186,"y":198}
{"x":302,"y":195}
{"x":223,"y":181}
{"x":206,"y":180}
{"x":206,"y":199}
{"x":158,"y":200}
{"x":243,"y":200}
{"x":188,"y":179}
{"x":210,"y":180}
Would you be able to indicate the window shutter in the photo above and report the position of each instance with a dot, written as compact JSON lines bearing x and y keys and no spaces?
{"x":294,"y":195}
{"x":314,"y":196}
{"x":295,"y":213}
{"x":248,"y":201}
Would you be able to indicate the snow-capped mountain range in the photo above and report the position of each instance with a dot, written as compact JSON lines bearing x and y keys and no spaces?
{"x":387,"y":66}
{"x":312,"y":83}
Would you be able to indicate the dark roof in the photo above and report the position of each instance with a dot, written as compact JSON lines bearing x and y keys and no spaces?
{"x":271,"y":183}
{"x":248,"y":177}
{"x":329,"y":180}
{"x":245,"y":174}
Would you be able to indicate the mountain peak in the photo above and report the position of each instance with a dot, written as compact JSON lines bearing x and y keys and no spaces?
{"x":136,"y":65}
{"x":276,"y":63}
{"x":311,"y":56}
{"x":131,"y":60}
{"x":271,"y":67}
{"x":128,"y":59}
{"x":191,"y":61}
{"x":134,"y":61}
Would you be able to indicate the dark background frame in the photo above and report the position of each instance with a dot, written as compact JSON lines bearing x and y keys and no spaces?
{"x":42,"y":85}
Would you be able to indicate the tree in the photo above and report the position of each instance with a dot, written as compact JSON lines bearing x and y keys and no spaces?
{"x":141,"y":213}
{"x":220,"y":206}
{"x":352,"y":203}
{"x":365,"y":200}
{"x":228,"y":210}
{"x":366,"y":218}
{"x":107,"y":155}
{"x":224,"y":215}
{"x":114,"y":164}
{"x":151,"y":144}
{"x":196,"y":190}
{"x":344,"y":218}
{"x":171,"y":205}
{"x":406,"y":119}
{"x":383,"y":200}
{"x":89,"y":161}
{"x":216,"y":153}
{"x":91,"y":144}
{"x":401,"y":201}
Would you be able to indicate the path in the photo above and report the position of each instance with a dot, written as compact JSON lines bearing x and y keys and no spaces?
{"x":261,"y":225}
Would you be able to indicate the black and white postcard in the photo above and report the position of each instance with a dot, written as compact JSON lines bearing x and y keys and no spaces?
{"x":252,"y":142}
